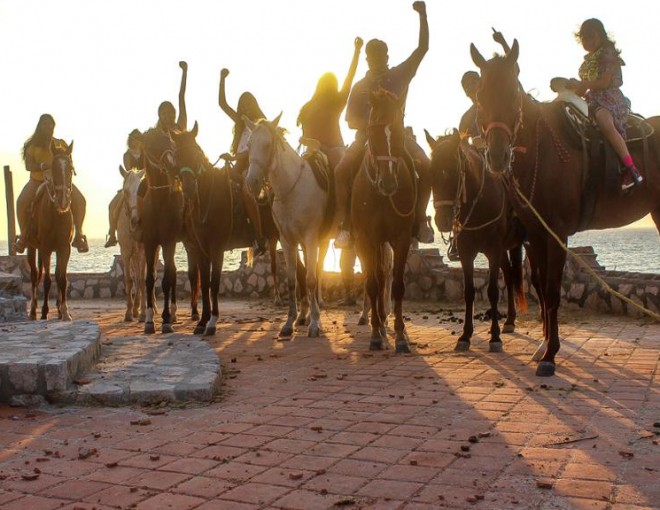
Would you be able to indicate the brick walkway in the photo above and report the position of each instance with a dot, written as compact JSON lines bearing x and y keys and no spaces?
{"x":324,"y":423}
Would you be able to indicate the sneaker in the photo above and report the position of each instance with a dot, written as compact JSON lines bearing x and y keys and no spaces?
{"x":80,"y":243}
{"x":627,"y":180}
{"x":343,"y":240}
{"x":425,"y":233}
{"x":112,"y":241}
{"x":19,"y":244}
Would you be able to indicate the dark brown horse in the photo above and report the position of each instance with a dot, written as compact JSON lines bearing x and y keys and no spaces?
{"x":161,"y":217}
{"x":473,"y":204}
{"x":52,"y":228}
{"x":212,"y":225}
{"x":546,"y":177}
{"x":383,"y":211}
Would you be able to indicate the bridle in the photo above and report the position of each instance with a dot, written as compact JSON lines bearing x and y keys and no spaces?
{"x":67,"y":184}
{"x":159,"y":165}
{"x":511,"y":133}
{"x":372,"y":160}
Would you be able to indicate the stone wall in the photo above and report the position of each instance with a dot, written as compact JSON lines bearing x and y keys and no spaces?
{"x":427,"y":278}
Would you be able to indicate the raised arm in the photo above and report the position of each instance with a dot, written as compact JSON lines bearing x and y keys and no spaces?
{"x":182,"y":121}
{"x":423,"y":45}
{"x":222,"y":99}
{"x":346,"y":87}
{"x":499,"y":39}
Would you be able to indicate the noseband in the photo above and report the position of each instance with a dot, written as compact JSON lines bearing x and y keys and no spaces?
{"x":66,"y":187}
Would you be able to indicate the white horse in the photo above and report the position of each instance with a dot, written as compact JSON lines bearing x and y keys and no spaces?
{"x":299,"y":209}
{"x":131,"y":249}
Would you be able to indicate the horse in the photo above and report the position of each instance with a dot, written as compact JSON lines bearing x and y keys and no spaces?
{"x":161,"y":217}
{"x":383,"y":211}
{"x":473,"y":204}
{"x":212,"y":225}
{"x":299,"y":210}
{"x":52,"y":231}
{"x":546,"y":178}
{"x":131,"y":247}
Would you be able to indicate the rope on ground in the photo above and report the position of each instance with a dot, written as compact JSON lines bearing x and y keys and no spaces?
{"x":581,"y":262}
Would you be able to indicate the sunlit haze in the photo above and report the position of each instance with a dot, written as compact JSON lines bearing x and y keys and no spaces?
{"x":101,"y":68}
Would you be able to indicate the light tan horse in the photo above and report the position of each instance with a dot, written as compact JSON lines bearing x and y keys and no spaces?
{"x":131,"y":248}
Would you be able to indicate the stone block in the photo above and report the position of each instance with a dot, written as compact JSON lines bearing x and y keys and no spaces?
{"x":23,"y":377}
{"x":56,"y":376}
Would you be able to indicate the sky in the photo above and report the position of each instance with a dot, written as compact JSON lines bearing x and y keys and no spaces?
{"x":101,"y":68}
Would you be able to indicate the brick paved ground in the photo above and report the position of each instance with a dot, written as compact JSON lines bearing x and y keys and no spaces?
{"x":324,"y":423}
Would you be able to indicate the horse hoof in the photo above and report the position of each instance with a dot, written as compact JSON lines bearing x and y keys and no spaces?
{"x":199,"y":330}
{"x":402,"y":348}
{"x":286,"y":331}
{"x":301,"y":321}
{"x":166,"y":328}
{"x":194,"y":317}
{"x":141,"y":319}
{"x":545,"y":369}
{"x":362,"y":321}
{"x":67,"y":318}
{"x":509,"y":328}
{"x":376,"y":344}
{"x":209,"y":331}
{"x":149,"y":328}
{"x":495,"y":347}
{"x":313,"y":332}
{"x":462,"y":346}
{"x":128,"y":317}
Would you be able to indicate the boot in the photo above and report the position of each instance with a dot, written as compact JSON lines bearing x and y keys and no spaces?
{"x":20,"y":244}
{"x":80,"y":243}
{"x":112,"y":241}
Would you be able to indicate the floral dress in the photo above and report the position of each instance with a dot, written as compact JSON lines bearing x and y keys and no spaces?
{"x":596,"y":64}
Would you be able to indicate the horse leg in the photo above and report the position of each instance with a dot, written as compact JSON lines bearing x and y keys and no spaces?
{"x":303,"y":291}
{"x":323,"y":251}
{"x":495,"y":343}
{"x":290,"y":258}
{"x":369,"y":258}
{"x":62,"y":284}
{"x":313,"y":266}
{"x":150,"y":278}
{"x":47,"y":282}
{"x":127,"y":259}
{"x":169,"y":287}
{"x":364,"y":316}
{"x":398,"y":289}
{"x":204,"y":267}
{"x":193,"y":279}
{"x":35,"y":276}
{"x":381,"y":278}
{"x":467,"y":265}
{"x":537,"y":259}
{"x":216,"y":273}
{"x":140,"y":276}
{"x":272,"y":255}
{"x":135,"y":282}
{"x":389,"y":276}
{"x":553,"y":277}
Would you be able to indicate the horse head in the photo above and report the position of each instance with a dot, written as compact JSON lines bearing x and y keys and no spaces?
{"x":191,"y":162}
{"x":159,"y":157}
{"x":264,"y":137}
{"x":445,"y":177}
{"x":62,"y":178}
{"x":499,"y":106}
{"x":129,"y":190}
{"x":385,"y":139}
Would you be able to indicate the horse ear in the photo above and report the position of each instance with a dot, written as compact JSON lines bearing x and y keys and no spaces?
{"x":477,"y":57}
{"x":429,"y":139}
{"x":512,"y":56}
{"x":69,"y":149}
{"x":249,"y":124}
{"x":195,"y":130}
{"x":123,"y":171}
{"x":276,"y":120}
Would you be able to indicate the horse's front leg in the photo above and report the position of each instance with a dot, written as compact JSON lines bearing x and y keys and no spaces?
{"x":467,"y":266}
{"x":128,"y":261}
{"x":150,"y":279}
{"x":140,"y":275}
{"x":169,"y":286}
{"x":495,"y":343}
{"x":204,"y":268}
{"x":62,"y":284}
{"x":323,"y":251}
{"x":216,"y":272}
{"x":398,"y":289}
{"x":45,"y":262}
{"x":290,"y":256}
{"x":35,"y":276}
{"x":193,"y":279}
{"x":368,"y":259}
{"x":312,"y":264}
{"x":302,"y":291}
{"x":272,"y":252}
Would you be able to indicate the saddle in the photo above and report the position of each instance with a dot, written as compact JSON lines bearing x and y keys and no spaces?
{"x":601,"y":163}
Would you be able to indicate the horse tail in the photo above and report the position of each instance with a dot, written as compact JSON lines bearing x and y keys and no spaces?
{"x":250,"y":257}
{"x":516,"y":256}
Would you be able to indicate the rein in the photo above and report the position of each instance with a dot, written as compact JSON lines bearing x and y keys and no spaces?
{"x":368,"y":162}
{"x":274,"y":161}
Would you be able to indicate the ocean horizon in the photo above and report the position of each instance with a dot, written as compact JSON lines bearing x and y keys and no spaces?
{"x":635,"y":250}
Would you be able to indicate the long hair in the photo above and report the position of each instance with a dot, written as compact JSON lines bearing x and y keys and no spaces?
{"x":326,"y":92}
{"x":248,"y":106}
{"x":38,"y":137}
{"x":594,"y":25}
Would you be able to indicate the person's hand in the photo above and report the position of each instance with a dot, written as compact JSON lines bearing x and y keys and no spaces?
{"x":420,"y":7}
{"x":224,"y":72}
{"x":358,"y":43}
{"x":183,"y":65}
{"x":498,"y":37}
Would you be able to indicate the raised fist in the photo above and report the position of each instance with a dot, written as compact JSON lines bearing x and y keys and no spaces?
{"x":420,"y":7}
{"x":358,"y":43}
{"x":183,"y":65}
{"x":224,"y":72}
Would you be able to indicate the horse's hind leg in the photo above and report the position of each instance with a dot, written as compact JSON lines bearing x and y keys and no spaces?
{"x":272,"y":255}
{"x":60,"y":278}
{"x":35,"y":276}
{"x":216,"y":272}
{"x":495,"y":343}
{"x":127,"y":258}
{"x":204,"y":268}
{"x":193,"y":278}
{"x":311,"y":261}
{"x":398,"y":289}
{"x":45,"y":262}
{"x":150,"y":279}
{"x":169,"y":288}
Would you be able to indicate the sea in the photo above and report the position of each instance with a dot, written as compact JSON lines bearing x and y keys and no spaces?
{"x":634,"y":249}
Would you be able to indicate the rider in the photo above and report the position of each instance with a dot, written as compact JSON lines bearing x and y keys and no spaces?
{"x":396,"y":80}
{"x":133,"y":158}
{"x":469,"y":125}
{"x":600,"y":82}
{"x":249,"y":107}
{"x":38,"y":157}
{"x":319,"y":119}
